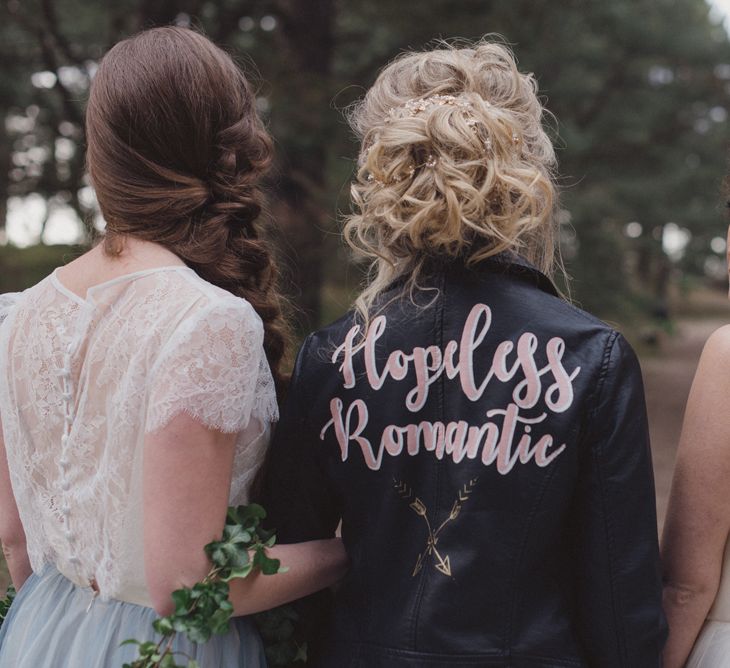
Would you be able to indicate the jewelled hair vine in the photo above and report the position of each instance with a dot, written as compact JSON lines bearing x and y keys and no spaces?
{"x":416,"y":106}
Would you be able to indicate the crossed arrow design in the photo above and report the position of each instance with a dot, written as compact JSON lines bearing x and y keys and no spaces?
{"x":442,"y":563}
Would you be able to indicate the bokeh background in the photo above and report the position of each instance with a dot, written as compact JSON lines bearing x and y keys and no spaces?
{"x":640,"y":90}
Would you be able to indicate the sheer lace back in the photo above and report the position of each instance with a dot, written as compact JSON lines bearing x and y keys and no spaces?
{"x":83,"y":380}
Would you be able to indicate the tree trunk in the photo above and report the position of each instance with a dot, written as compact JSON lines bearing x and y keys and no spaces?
{"x":307,"y":32}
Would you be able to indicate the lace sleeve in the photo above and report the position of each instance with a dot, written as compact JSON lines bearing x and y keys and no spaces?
{"x":212,"y":369}
{"x":7,"y":302}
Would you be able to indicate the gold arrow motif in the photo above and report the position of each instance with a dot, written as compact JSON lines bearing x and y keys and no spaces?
{"x":442,"y":563}
{"x":418,"y":507}
{"x":419,"y":564}
{"x":403,"y":491}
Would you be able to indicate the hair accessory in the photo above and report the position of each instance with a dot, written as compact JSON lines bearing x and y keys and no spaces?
{"x":415,"y":106}
{"x":412,"y":108}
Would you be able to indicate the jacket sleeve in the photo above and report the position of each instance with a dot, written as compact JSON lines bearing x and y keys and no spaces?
{"x":620,"y":617}
{"x":296,"y":492}
{"x":300,"y":502}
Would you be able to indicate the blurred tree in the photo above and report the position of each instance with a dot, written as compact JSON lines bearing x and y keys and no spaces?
{"x":28,"y":266}
{"x":640,"y":88}
{"x":641,"y":92}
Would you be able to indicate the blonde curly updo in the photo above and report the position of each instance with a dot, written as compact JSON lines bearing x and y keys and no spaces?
{"x":454,"y":163}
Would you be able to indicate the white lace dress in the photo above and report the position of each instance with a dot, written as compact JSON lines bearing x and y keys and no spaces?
{"x":81,"y":383}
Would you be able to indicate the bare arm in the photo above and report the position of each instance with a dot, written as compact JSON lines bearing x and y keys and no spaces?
{"x":12,"y":535}
{"x":313,"y":566}
{"x":187,"y":475}
{"x":698,"y":520}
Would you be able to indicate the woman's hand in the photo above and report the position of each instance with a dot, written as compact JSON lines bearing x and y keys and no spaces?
{"x":312,"y":566}
{"x":698,"y":520}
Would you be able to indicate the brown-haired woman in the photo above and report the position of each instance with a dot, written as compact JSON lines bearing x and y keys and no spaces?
{"x":483,"y":442}
{"x":138,"y":383}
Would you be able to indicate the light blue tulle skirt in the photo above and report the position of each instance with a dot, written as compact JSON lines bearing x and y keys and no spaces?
{"x":48,"y":626}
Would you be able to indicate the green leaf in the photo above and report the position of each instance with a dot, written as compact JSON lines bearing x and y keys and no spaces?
{"x":237,"y":534}
{"x":216,"y":552}
{"x":252,"y":510}
{"x":6,"y":603}
{"x":130,"y":641}
{"x":301,"y":653}
{"x":163,"y":626}
{"x":219,"y":621}
{"x":180,"y":625}
{"x":221,"y":597}
{"x":237,"y":556}
{"x":233,"y":516}
{"x":199,"y":634}
{"x":265,"y":564}
{"x":182,"y":598}
{"x":168,"y":661}
{"x":239,"y":573}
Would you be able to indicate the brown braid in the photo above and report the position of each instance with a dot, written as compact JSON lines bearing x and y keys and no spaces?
{"x":176,"y":153}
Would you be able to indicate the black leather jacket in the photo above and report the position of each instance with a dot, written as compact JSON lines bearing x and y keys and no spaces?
{"x":488,"y":457}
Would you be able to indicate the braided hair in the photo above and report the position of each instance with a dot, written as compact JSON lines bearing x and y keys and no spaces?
{"x":176,"y":153}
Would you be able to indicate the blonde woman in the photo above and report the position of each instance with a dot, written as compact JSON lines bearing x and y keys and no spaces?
{"x":482,"y":441}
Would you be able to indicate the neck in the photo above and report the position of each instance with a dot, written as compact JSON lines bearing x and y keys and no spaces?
{"x":131,"y":250}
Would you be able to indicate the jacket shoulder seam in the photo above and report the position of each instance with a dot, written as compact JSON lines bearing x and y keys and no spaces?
{"x":610,"y":539}
{"x":299,"y":375}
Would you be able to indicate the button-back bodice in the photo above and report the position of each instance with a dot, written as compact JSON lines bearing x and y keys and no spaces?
{"x":81,"y":383}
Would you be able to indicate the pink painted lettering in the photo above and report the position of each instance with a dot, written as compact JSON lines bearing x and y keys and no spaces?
{"x":542,"y":385}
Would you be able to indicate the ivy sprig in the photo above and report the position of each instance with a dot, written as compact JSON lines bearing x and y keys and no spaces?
{"x":205,"y":609}
{"x":5,"y":603}
{"x":278,"y":629}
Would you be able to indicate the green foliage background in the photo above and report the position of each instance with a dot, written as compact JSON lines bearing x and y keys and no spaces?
{"x":640,"y":90}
